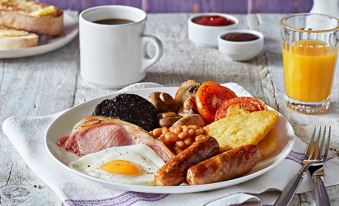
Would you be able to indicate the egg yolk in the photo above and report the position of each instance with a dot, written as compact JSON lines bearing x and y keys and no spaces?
{"x":122,"y":167}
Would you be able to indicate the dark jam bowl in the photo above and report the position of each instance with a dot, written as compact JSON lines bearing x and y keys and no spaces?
{"x":239,"y":37}
{"x":204,"y":29}
{"x":241,"y":45}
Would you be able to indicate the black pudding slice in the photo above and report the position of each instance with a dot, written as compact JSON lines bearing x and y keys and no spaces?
{"x":131,"y":108}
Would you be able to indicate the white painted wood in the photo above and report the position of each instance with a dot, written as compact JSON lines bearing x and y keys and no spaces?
{"x":50,"y":83}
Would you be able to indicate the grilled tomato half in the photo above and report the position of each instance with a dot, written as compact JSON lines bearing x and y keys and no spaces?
{"x":250,"y":104}
{"x":210,"y":96}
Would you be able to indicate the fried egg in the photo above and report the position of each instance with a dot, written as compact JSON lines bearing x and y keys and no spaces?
{"x":134,"y":164}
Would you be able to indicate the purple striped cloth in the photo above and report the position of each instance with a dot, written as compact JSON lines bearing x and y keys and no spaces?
{"x":124,"y":199}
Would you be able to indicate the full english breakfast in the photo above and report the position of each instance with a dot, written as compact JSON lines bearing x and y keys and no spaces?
{"x":203,"y":134}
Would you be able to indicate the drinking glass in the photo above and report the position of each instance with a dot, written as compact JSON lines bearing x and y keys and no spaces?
{"x":310,"y":49}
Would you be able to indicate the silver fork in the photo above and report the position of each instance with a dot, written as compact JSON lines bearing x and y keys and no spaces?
{"x":311,"y":155}
{"x":317,"y":170}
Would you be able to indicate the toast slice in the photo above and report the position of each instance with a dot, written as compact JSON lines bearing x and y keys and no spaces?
{"x":241,"y":127}
{"x":11,"y":39}
{"x":31,"y":16}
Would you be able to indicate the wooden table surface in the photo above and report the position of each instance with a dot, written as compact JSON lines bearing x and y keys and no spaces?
{"x":50,"y":83}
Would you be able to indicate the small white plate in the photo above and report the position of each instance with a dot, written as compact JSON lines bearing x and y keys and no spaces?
{"x":64,"y":123}
{"x":46,"y":45}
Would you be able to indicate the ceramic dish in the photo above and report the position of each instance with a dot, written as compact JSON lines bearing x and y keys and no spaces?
{"x":241,"y":50}
{"x":207,"y":36}
{"x":64,"y":123}
{"x":47,"y":44}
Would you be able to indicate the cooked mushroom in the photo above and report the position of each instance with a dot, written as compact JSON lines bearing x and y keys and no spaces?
{"x":192,"y":119}
{"x":189,"y":106}
{"x":163,"y":102}
{"x":167,"y":119}
{"x":185,"y":90}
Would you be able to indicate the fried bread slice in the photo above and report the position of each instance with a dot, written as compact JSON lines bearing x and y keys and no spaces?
{"x":269,"y":144}
{"x":241,"y":127}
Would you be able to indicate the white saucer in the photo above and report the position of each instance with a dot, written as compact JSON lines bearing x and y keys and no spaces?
{"x":47,"y":45}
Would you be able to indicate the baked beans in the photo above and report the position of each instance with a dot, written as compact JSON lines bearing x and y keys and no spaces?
{"x":178,"y":138}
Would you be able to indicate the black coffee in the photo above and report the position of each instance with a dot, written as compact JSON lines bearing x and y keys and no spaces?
{"x":113,"y":21}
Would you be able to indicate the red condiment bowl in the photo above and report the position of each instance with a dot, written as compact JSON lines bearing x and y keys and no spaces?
{"x":204,"y":29}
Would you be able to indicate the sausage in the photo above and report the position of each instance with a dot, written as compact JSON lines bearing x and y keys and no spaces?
{"x":227,"y":165}
{"x":174,"y":171}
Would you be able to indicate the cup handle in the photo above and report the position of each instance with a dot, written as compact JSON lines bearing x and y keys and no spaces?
{"x":147,"y":62}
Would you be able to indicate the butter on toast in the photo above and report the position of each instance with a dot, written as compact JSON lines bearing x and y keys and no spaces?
{"x":241,"y":127}
{"x":31,"y":16}
{"x":11,"y":39}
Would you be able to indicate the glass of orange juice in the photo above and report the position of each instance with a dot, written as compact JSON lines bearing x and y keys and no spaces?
{"x":310,"y":49}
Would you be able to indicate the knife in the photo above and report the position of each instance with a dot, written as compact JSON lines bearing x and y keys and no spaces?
{"x":317,"y":173}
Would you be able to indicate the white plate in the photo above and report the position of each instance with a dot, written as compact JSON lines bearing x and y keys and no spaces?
{"x":47,"y":45}
{"x":64,"y":123}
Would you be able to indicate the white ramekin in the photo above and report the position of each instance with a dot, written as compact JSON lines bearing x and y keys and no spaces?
{"x":244,"y":50}
{"x":207,"y":36}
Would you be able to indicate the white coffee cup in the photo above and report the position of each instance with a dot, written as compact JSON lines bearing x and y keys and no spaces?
{"x":113,"y":56}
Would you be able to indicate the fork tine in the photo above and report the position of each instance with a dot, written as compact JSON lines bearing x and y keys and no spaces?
{"x":316,"y":147}
{"x":321,"y":151}
{"x":327,"y":144}
{"x":309,"y":148}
